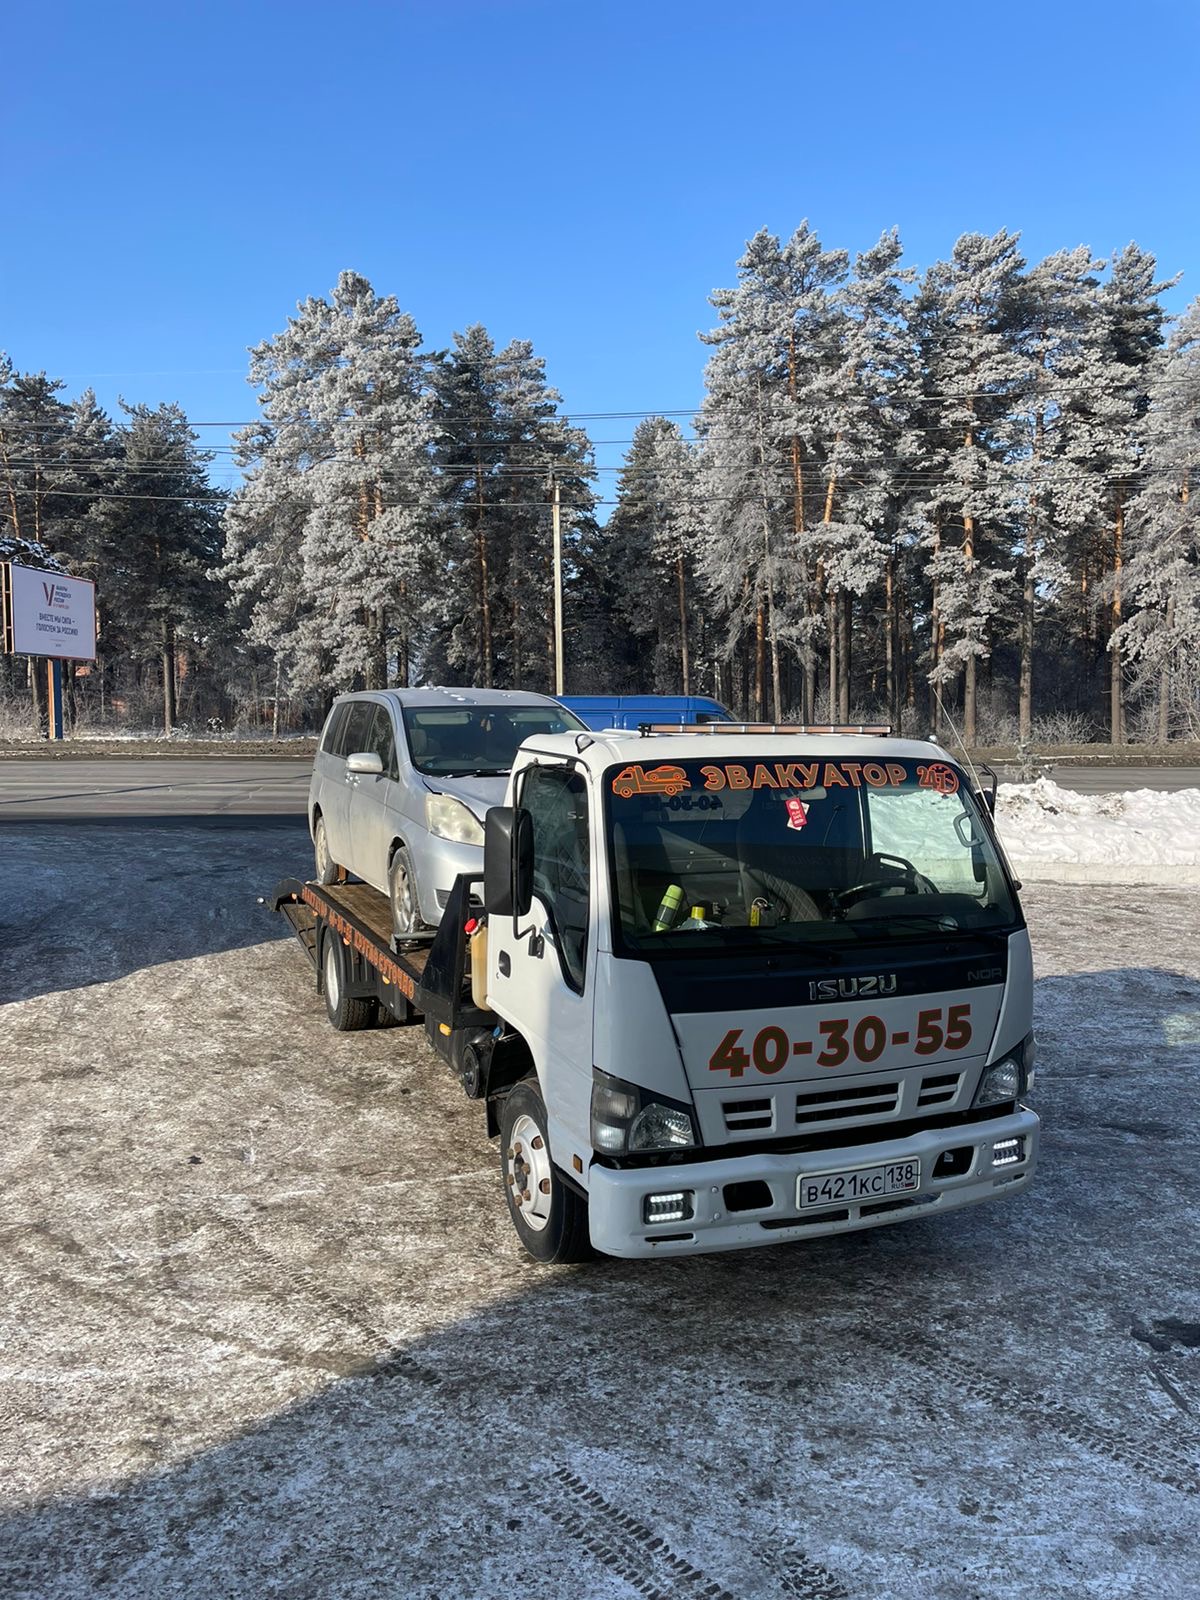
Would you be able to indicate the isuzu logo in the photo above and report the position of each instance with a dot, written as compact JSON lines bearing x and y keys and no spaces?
{"x":847,"y":988}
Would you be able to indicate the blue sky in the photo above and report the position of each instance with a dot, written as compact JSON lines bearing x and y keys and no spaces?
{"x":174,"y":178}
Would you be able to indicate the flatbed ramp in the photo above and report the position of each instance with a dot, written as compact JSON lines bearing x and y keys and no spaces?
{"x":360,"y":914}
{"x":426,"y":978}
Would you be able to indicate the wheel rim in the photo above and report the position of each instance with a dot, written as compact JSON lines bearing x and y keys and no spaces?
{"x":403,"y":909}
{"x":527,"y":1173}
{"x":322,"y":849}
{"x":333,"y":987}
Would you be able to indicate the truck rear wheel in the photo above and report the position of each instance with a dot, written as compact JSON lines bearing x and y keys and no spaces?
{"x":346,"y":1015}
{"x":550,"y":1217}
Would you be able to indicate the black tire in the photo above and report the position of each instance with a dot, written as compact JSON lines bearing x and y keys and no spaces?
{"x":402,"y":895}
{"x":345,"y":1014}
{"x":561,"y":1233}
{"x":326,"y":867}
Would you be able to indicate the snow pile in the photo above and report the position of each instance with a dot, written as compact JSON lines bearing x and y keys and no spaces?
{"x":1145,"y":836}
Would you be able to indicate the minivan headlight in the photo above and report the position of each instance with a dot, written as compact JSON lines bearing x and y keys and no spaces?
{"x":448,"y":818}
{"x":626,"y":1119}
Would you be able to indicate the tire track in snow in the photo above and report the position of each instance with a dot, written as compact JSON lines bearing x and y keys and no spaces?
{"x":645,"y":1560}
{"x":1037,"y":1410}
{"x":338,"y":1314}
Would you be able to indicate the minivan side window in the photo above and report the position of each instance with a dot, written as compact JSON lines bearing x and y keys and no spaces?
{"x":356,"y":730}
{"x":557,"y":801}
{"x":333,"y":727}
{"x":383,"y":741}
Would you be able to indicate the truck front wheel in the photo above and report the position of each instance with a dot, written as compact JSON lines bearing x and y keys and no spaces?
{"x":550,"y":1218}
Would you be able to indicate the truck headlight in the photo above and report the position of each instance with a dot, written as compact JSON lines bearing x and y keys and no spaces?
{"x":1008,"y":1078}
{"x":448,"y":818}
{"x":627,"y":1119}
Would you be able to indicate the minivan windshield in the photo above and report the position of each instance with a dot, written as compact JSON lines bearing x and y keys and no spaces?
{"x":720,"y":854}
{"x":478,"y":741}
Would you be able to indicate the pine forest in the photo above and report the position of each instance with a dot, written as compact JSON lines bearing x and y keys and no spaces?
{"x":962,"y":498}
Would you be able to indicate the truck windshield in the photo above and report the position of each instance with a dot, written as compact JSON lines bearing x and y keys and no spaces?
{"x":478,"y":741}
{"x":716,"y":854}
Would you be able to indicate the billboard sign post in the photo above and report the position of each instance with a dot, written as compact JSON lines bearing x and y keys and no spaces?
{"x":52,"y":615}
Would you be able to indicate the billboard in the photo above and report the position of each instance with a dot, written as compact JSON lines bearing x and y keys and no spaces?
{"x":48,"y":613}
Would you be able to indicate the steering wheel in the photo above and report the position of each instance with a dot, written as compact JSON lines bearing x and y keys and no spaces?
{"x":912,"y":882}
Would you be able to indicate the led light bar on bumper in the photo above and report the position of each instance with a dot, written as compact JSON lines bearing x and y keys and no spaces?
{"x":679,"y":1206}
{"x":1008,"y":1152}
{"x":1009,"y":1078}
{"x":627,"y":1120}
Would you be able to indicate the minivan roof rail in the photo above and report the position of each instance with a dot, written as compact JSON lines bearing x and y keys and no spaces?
{"x":878,"y":730}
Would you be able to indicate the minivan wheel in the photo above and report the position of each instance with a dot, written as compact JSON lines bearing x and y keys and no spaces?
{"x":402,"y":892}
{"x":326,"y":866}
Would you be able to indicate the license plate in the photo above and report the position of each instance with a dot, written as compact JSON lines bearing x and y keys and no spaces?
{"x":864,"y":1183}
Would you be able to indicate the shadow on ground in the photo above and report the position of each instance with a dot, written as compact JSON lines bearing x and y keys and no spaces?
{"x":87,"y":902}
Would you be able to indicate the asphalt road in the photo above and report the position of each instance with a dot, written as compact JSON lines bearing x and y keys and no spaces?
{"x":231,"y":787}
{"x":266,"y":1333}
{"x":156,"y":786}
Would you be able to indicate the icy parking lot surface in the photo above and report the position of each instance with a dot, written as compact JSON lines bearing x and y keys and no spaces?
{"x":265,"y":1330}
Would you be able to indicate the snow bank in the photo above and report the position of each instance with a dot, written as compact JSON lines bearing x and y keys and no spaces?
{"x":1057,"y":836}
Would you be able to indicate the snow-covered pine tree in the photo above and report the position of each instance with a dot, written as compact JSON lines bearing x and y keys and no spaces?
{"x":966,"y":319}
{"x":539,"y":447}
{"x":341,"y":482}
{"x":651,"y":537}
{"x":1057,"y":334}
{"x":92,"y":472}
{"x":34,"y":425}
{"x":161,"y":538}
{"x":1161,"y":640}
{"x":35,"y":470}
{"x":673,"y":546}
{"x":473,"y":487}
{"x":871,"y":448}
{"x":628,"y":540}
{"x":1111,"y":407}
{"x":764,"y":432}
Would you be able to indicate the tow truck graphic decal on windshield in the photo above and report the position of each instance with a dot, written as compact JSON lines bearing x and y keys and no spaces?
{"x":659,"y":780}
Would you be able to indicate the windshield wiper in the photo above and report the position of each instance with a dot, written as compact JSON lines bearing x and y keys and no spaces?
{"x":800,"y":946}
{"x":468,"y":772}
{"x":937,"y":924}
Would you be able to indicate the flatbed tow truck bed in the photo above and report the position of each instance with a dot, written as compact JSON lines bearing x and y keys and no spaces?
{"x":426,"y":980}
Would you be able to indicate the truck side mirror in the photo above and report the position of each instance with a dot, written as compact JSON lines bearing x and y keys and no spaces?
{"x":507,"y":861}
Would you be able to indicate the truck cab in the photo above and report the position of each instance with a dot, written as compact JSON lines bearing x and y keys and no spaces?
{"x":761,"y":985}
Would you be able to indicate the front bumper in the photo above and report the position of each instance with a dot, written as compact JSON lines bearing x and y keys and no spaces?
{"x":436,"y":863}
{"x":616,"y":1198}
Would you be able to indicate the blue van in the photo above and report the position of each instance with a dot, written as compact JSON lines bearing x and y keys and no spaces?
{"x":630,"y":710}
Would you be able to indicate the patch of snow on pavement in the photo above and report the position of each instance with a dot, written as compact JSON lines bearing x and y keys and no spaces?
{"x":1057,"y":835}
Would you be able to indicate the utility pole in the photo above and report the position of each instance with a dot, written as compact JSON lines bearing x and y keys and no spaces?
{"x":556,"y":509}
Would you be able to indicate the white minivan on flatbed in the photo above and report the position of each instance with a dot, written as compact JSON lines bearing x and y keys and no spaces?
{"x":737,"y":985}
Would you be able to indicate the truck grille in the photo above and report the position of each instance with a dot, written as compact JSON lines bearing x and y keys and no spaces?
{"x":939,"y":1090}
{"x":830,"y":1105}
{"x":848,"y":1103}
{"x":743,"y":1115}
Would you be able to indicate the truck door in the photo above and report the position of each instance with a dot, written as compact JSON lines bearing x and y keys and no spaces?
{"x":545,"y":988}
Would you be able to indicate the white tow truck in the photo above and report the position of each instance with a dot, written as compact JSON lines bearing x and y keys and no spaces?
{"x":734,"y":986}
